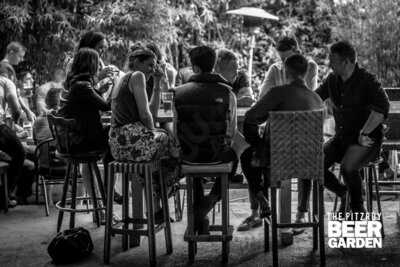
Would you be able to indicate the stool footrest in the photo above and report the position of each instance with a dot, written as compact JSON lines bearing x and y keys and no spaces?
{"x":210,"y":238}
{"x":297,"y":225}
{"x":389,"y":182}
{"x":68,"y":200}
{"x":389,"y":192}
{"x":141,"y":232}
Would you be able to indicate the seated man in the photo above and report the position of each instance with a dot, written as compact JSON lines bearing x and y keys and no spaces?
{"x":227,"y":67}
{"x":359,"y":107}
{"x":9,"y":142}
{"x":41,"y":92}
{"x":205,"y":125}
{"x":293,"y":96}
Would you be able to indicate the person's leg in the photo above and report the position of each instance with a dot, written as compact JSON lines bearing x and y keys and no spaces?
{"x":355,"y":158}
{"x":304,"y":190}
{"x":10,"y":144}
{"x":333,"y":152}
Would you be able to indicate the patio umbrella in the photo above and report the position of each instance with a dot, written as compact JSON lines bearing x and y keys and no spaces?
{"x":255,"y":13}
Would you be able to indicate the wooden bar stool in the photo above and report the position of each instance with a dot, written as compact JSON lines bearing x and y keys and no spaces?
{"x":129,"y":171}
{"x":210,"y":170}
{"x":3,"y":184}
{"x":62,"y":130}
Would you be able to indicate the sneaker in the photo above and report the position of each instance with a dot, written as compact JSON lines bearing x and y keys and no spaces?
{"x":250,"y":222}
{"x":300,"y":218}
{"x":12,"y":203}
{"x":286,"y":238}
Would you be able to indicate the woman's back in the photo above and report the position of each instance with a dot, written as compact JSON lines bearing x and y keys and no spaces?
{"x":123,"y":104}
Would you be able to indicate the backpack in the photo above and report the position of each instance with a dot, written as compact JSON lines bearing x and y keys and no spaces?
{"x":70,"y":246}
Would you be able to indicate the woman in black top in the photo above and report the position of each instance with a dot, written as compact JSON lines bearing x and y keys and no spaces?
{"x":84,"y":103}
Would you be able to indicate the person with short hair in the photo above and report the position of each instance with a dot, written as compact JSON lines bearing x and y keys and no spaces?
{"x":15,"y":53}
{"x":293,"y":96}
{"x":288,"y":46}
{"x":57,"y":81}
{"x":360,"y":106}
{"x":227,"y":67}
{"x":205,"y":125}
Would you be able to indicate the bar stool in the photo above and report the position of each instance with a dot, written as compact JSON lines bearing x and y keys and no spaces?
{"x":62,"y":130}
{"x":370,"y":172}
{"x":129,"y":170}
{"x":214,"y":170}
{"x":3,"y":183}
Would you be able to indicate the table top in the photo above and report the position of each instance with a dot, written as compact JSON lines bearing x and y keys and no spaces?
{"x":394,"y":107}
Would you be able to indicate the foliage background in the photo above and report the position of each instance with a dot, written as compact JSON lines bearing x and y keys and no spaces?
{"x":50,"y":29}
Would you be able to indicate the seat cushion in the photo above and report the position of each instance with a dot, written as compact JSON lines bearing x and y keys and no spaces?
{"x":206,"y":168}
{"x":53,"y":172}
{"x":91,"y":155}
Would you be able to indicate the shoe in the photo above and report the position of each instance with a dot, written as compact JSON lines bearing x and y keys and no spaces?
{"x":12,"y":203}
{"x":118,"y":198}
{"x":237,"y":179}
{"x":250,"y":222}
{"x":300,"y":218}
{"x":286,"y":238}
{"x":265,"y":209}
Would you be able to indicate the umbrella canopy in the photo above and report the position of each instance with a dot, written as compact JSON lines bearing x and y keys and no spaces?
{"x":253,"y":12}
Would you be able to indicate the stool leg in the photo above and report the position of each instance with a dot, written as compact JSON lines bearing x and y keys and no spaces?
{"x":63,"y":197}
{"x":100,"y":183}
{"x":177,"y":203}
{"x":266,"y":235}
{"x":46,"y":200}
{"x":378,"y":197}
{"x":368,"y":188}
{"x":125,"y":209}
{"x":150,"y":214}
{"x":137,"y":208}
{"x":5,"y":189}
{"x":274,"y":228}
{"x":315,"y":213}
{"x":225,"y":217}
{"x":190,"y":227}
{"x":321,"y":223}
{"x":37,"y":176}
{"x":109,"y":214}
{"x":73,"y":196}
{"x":165,"y":207}
{"x":94,"y":196}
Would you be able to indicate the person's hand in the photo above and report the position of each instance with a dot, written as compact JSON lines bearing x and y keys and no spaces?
{"x":365,"y":140}
{"x":104,"y":85}
{"x":160,"y":75}
{"x":30,"y":116}
{"x":107,"y":71}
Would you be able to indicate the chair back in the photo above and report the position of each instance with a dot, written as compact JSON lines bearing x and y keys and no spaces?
{"x":64,"y":132}
{"x":296,"y":145}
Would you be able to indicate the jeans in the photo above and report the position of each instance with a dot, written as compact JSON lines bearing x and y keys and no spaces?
{"x":254,"y":176}
{"x":352,"y":157}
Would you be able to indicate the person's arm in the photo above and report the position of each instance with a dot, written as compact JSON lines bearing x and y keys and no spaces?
{"x":171,"y":74}
{"x":312,"y":76}
{"x":232,"y":127}
{"x":40,"y":99}
{"x":137,"y":86}
{"x":258,"y":114}
{"x":90,"y":96}
{"x":323,"y":89}
{"x":12,"y":101}
{"x":30,"y":116}
{"x":379,"y":108}
{"x":269,"y":80}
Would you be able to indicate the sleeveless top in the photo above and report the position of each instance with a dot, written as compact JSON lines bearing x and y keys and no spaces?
{"x":123,"y":105}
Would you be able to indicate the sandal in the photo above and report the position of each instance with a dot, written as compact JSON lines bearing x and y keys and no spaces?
{"x":249,"y":222}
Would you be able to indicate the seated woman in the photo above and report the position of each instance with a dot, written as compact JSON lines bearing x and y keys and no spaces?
{"x":133,"y":136}
{"x":84,"y":104}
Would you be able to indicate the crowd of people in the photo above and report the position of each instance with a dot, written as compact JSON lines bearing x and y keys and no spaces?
{"x":206,"y":97}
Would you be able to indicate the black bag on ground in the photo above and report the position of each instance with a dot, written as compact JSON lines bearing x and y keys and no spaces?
{"x":70,"y":246}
